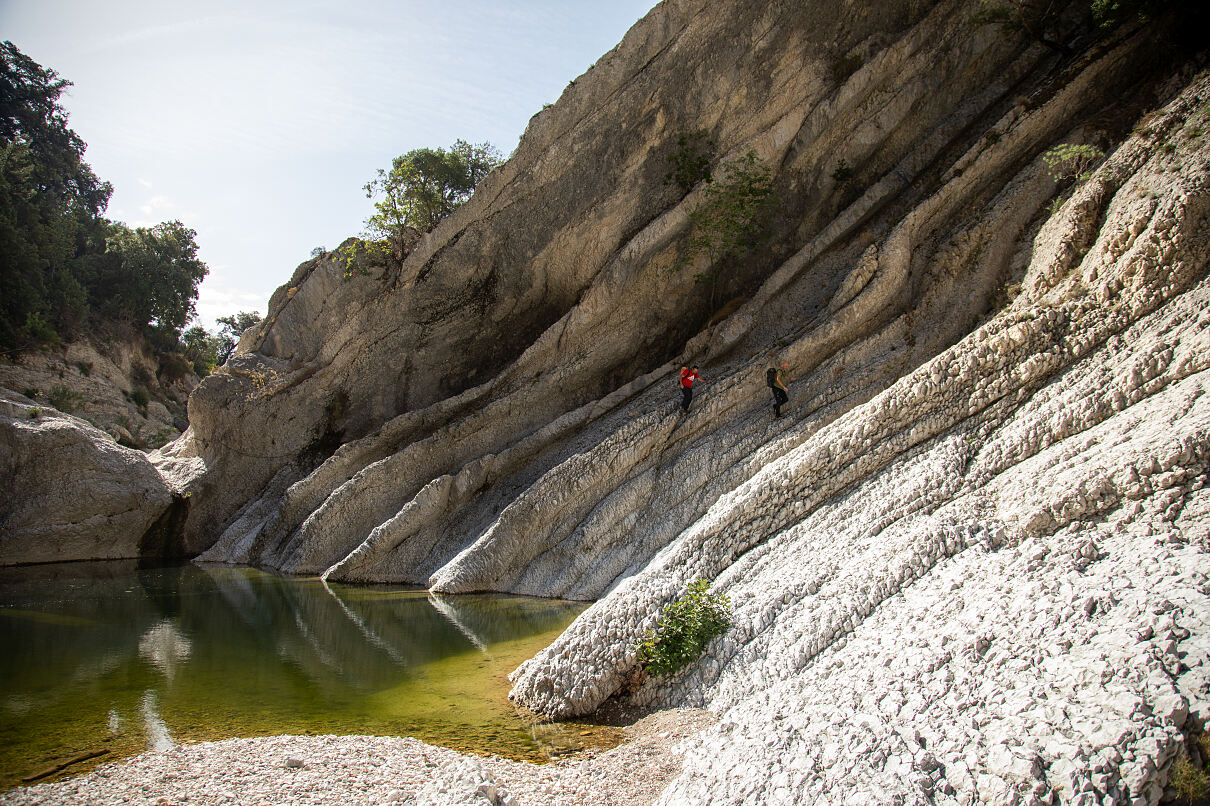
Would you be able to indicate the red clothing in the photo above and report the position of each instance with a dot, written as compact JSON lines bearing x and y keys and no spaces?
{"x":688,"y":376}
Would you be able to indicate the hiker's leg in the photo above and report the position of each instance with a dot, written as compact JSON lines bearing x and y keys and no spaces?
{"x":686,"y":397}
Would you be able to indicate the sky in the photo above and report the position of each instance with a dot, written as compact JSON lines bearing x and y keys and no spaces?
{"x":258,"y":122}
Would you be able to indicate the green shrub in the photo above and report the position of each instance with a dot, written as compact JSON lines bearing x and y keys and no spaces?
{"x":731,"y":217}
{"x":174,"y":366}
{"x":359,"y":256}
{"x":690,"y":163}
{"x":85,"y":368}
{"x":34,"y":412}
{"x":140,"y":398}
{"x":843,"y":172}
{"x":39,"y":331}
{"x":1189,"y":782}
{"x":63,"y":399}
{"x":1109,"y":14}
{"x":684,"y":629}
{"x":1071,"y":161}
{"x":31,"y":393}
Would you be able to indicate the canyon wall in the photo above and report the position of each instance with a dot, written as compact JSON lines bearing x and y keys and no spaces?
{"x":968,"y":563}
{"x":989,"y":582}
{"x":496,"y":411}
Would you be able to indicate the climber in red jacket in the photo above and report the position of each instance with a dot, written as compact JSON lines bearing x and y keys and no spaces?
{"x":688,"y":378}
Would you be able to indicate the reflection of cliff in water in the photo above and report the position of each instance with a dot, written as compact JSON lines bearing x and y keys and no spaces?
{"x":342,"y":636}
{"x":67,"y":625}
{"x":70,"y":625}
{"x":73,"y":625}
{"x":492,"y":618}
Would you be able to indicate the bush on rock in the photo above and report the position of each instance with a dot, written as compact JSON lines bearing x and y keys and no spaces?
{"x":685,"y":628}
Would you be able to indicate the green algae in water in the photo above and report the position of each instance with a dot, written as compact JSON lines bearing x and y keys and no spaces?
{"x":107,"y":656}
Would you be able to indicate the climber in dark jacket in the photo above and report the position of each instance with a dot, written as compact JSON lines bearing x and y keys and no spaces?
{"x":777,"y":380}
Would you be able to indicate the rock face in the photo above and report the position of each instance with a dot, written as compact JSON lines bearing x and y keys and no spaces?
{"x":71,"y":492}
{"x":475,"y":389}
{"x":968,"y":564}
{"x":988,"y":583}
{"x":102,"y":382}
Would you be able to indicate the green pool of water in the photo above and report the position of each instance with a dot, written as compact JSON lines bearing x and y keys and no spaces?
{"x":111,"y":657}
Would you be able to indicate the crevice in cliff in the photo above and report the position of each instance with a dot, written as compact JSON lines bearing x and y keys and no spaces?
{"x":163,"y":540}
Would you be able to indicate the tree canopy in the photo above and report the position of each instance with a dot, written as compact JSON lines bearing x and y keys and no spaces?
{"x":424,"y":186}
{"x":207,"y":350}
{"x":231,"y":328}
{"x":63,"y":265}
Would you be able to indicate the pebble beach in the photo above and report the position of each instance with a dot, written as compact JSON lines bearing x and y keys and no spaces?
{"x":349,"y":770}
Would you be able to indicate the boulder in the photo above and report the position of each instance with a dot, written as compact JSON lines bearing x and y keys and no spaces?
{"x":71,"y":492}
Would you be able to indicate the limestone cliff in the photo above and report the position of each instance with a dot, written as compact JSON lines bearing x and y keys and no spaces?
{"x":73,"y":488}
{"x":990,"y":581}
{"x":494,"y":412}
{"x":970,"y":561}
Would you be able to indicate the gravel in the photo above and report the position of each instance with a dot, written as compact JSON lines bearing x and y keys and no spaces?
{"x":379,"y":770}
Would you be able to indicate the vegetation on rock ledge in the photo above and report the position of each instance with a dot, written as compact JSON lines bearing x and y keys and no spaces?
{"x":731,"y":217}
{"x":684,"y":630}
{"x":424,"y":186}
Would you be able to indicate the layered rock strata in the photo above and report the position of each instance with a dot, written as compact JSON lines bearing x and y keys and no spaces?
{"x":998,"y":435}
{"x":102,"y":382}
{"x":988,"y":583}
{"x":546,"y":462}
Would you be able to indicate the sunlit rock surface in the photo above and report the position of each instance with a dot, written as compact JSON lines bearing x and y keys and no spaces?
{"x":98,"y":380}
{"x":968,"y":564}
{"x":990,"y":581}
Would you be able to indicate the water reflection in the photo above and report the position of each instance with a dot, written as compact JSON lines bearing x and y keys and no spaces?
{"x":164,"y":647}
{"x":450,"y":612}
{"x":158,"y":738}
{"x":108,"y":653}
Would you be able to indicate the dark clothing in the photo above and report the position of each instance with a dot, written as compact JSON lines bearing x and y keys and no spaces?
{"x":780,"y":398}
{"x":686,"y":398}
{"x":776,"y":378}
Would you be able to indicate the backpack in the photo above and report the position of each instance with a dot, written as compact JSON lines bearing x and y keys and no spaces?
{"x":771,"y":377}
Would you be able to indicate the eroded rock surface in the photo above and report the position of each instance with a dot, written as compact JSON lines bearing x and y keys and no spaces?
{"x":117,"y":385}
{"x":71,"y":492}
{"x":968,"y":564}
{"x":989,"y":582}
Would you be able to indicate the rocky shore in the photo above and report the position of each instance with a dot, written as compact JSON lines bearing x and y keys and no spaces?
{"x":353,"y":770}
